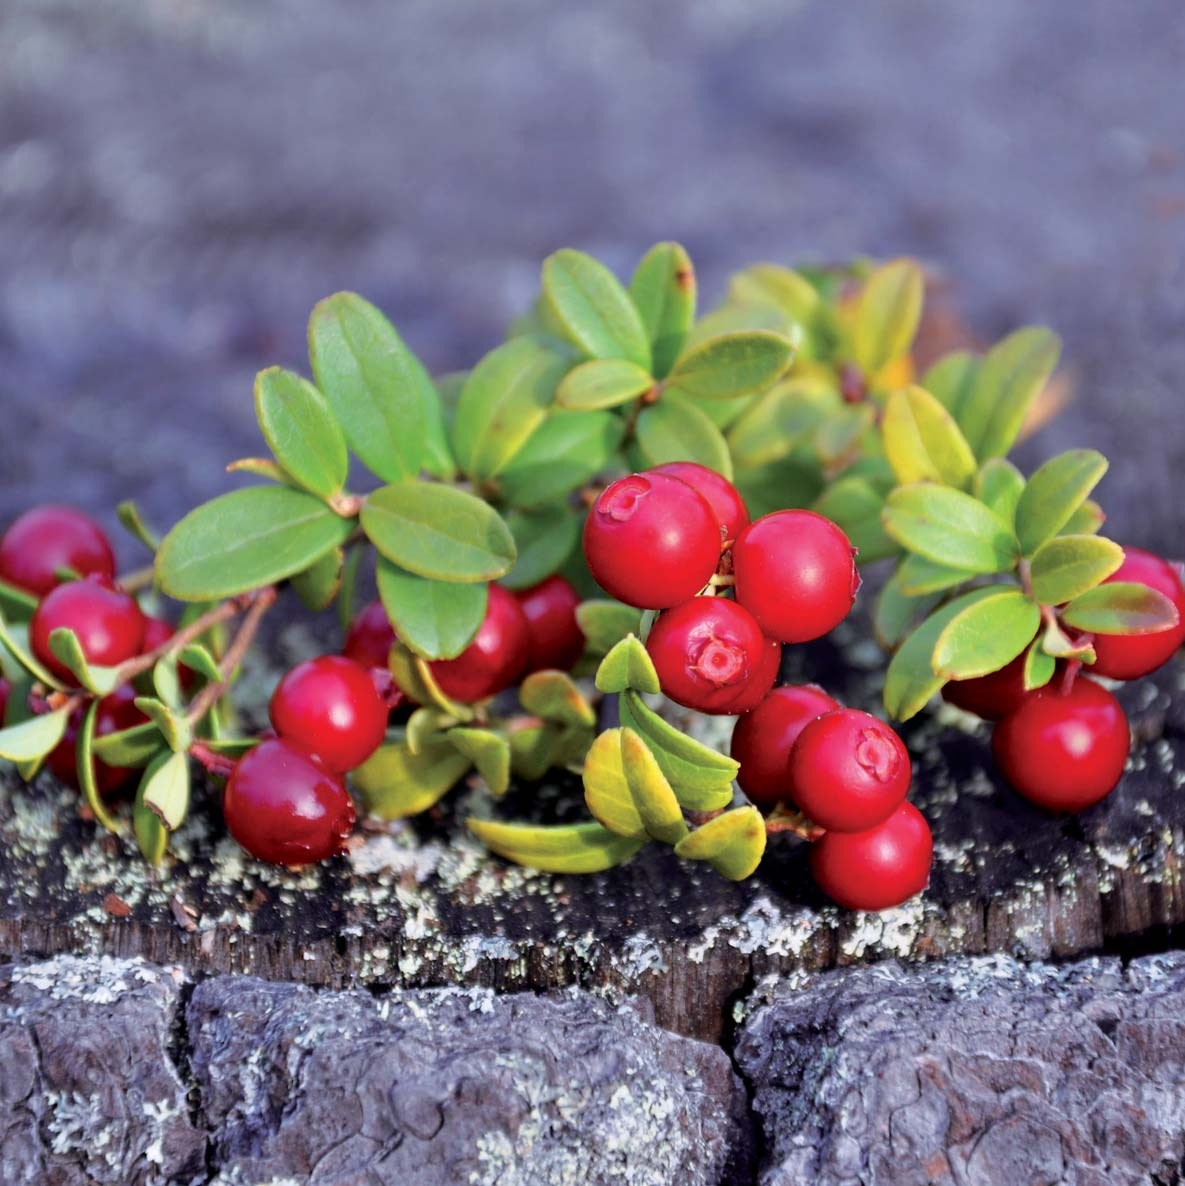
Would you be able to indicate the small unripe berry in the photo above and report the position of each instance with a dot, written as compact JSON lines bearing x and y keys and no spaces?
{"x":495,"y":658}
{"x":330,"y":707}
{"x":763,"y":738}
{"x":879,"y":868}
{"x":848,"y":771}
{"x":796,"y":573}
{"x":554,"y":638}
{"x":283,"y":806}
{"x":706,"y":651}
{"x":1064,"y":750}
{"x":116,"y":713}
{"x":651,"y":541}
{"x":49,"y":538}
{"x":722,"y":496}
{"x":107,"y":621}
{"x":1129,"y":656}
{"x":370,"y":637}
{"x":993,"y":696}
{"x":765,"y":675}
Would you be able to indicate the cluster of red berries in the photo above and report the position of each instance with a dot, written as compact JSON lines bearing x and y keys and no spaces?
{"x":1064,"y":747}
{"x":657,"y":539}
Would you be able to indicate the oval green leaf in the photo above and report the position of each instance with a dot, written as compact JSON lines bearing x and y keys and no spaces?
{"x":301,"y":430}
{"x":1121,"y":607}
{"x":1053,"y":493}
{"x":733,"y":843}
{"x":488,"y":751}
{"x":133,"y":747}
{"x":435,"y":619}
{"x":395,"y":783}
{"x":999,"y":485}
{"x":950,"y":528}
{"x":1068,"y":565}
{"x":556,"y":848}
{"x":34,"y":738}
{"x":318,"y":585}
{"x":663,"y":289}
{"x":605,"y":623}
{"x":888,"y":313}
{"x":674,"y":429}
{"x":544,"y":539}
{"x":627,"y":665}
{"x":898,"y":610}
{"x":564,"y":452}
{"x":731,"y":365}
{"x":922,"y":441}
{"x":985,"y":636}
{"x":602,"y":383}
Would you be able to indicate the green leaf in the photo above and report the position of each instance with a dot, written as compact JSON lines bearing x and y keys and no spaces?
{"x":855,"y":506}
{"x":15,"y":604}
{"x":378,"y":390}
{"x":164,"y":789}
{"x":199,"y":660}
{"x":596,"y":312}
{"x":605,"y":623}
{"x":1068,"y":565}
{"x":887,"y":315}
{"x":701,"y":777}
{"x":919,"y":576}
{"x":244,"y":540}
{"x":64,"y":645}
{"x":985,"y":636}
{"x":999,"y":485}
{"x":602,"y":383}
{"x":132,"y":521}
{"x":781,"y":419}
{"x":173,"y":726}
{"x":1039,"y":667}
{"x":840,"y":433}
{"x":534,"y":750}
{"x":544,"y":539}
{"x":952,"y":379}
{"x":731,"y":365}
{"x":607,"y":790}
{"x":87,"y":782}
{"x":232,"y":747}
{"x":165,"y":680}
{"x":505,"y":398}
{"x":14,"y":639}
{"x":318,"y":585}
{"x":950,"y":527}
{"x":564,"y":452}
{"x":435,"y":619}
{"x":1009,"y":379}
{"x":35,"y":737}
{"x":923,"y":442}
{"x":488,"y":751}
{"x":424,"y":726}
{"x":133,"y":747}
{"x":897,"y":610}
{"x":674,"y":429}
{"x":1086,"y":520}
{"x":413,"y":675}
{"x":152,"y":837}
{"x":395,"y":783}
{"x":771,"y":284}
{"x":1054,"y":492}
{"x":556,"y":848}
{"x":627,"y":665}
{"x":438,"y":531}
{"x":554,"y":696}
{"x":301,"y":431}
{"x":656,"y":803}
{"x":733,"y":843}
{"x":663,"y":290}
{"x":348,"y":596}
{"x":910,"y":680}
{"x":1121,"y":607}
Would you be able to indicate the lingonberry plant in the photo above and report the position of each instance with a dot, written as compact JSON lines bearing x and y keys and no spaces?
{"x":714,"y":475}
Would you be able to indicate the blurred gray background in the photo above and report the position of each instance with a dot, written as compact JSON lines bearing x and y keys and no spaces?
{"x":180,"y":180}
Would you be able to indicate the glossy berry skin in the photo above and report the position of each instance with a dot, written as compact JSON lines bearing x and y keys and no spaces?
{"x":116,"y":713}
{"x":878,"y":868}
{"x":107,"y":621}
{"x":991,"y":697}
{"x":554,"y":638}
{"x":722,"y":496}
{"x":48,"y":538}
{"x":1064,"y":751}
{"x":651,"y":541}
{"x":283,"y":806}
{"x":763,"y":738}
{"x":706,"y":651}
{"x":370,"y":637}
{"x":330,"y":707}
{"x":796,"y":573}
{"x":495,"y":658}
{"x":765,"y":675}
{"x":1129,"y":656}
{"x":848,"y":771}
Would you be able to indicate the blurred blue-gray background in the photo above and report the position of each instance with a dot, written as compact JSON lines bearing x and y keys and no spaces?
{"x":180,"y":180}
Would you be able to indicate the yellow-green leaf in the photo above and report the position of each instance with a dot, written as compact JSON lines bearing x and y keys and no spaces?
{"x":33,"y":738}
{"x":999,"y":485}
{"x":674,"y":429}
{"x":951,"y":528}
{"x":1053,"y":493}
{"x":602,"y":383}
{"x":627,"y":665}
{"x":556,"y":848}
{"x":553,"y":696}
{"x":607,"y":790}
{"x":1067,"y":565}
{"x":488,"y":751}
{"x":923,"y":442}
{"x":733,"y":843}
{"x":731,"y":365}
{"x":888,"y":314}
{"x":987,"y":635}
{"x":1121,"y":607}
{"x":663,"y":289}
{"x":653,"y":797}
{"x":395,"y":783}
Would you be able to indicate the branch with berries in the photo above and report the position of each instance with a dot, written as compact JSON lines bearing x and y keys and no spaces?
{"x":622,"y":505}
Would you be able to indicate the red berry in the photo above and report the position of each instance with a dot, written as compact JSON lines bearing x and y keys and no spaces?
{"x":763,"y":738}
{"x":330,"y":707}
{"x":495,"y":658}
{"x":879,"y":868}
{"x":48,"y":538}
{"x":370,"y":637}
{"x":1064,"y":751}
{"x":116,"y":713}
{"x":1129,"y":656}
{"x":651,"y":541}
{"x":993,"y":696}
{"x":848,"y":771}
{"x":555,"y":639}
{"x":283,"y":806}
{"x":722,"y":496}
{"x":765,"y":675}
{"x":706,"y":651}
{"x":796,"y":573}
{"x":5,"y":688}
{"x":107,"y":621}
